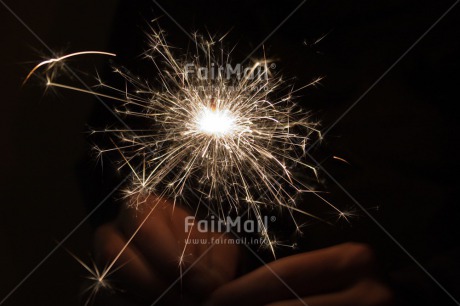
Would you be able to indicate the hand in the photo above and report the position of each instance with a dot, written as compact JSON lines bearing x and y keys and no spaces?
{"x":151,"y":260}
{"x":336,"y":276}
{"x":340,"y":275}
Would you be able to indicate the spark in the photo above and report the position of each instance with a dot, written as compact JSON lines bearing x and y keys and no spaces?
{"x":215,"y":122}
{"x":99,"y":278}
{"x":235,"y":140}
{"x":51,"y":62}
{"x":341,"y":159}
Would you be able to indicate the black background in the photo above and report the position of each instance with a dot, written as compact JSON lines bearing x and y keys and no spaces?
{"x":400,"y":140}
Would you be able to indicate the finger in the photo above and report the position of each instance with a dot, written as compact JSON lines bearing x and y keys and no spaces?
{"x":314,"y":272}
{"x":216,"y":264}
{"x":368,"y":292}
{"x":161,"y":240}
{"x":152,"y":234}
{"x":131,"y":267}
{"x":225,"y":256}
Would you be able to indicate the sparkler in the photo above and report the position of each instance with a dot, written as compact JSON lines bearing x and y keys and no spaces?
{"x":233,"y":140}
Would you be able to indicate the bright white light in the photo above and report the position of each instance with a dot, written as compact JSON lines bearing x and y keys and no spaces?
{"x":215,"y":122}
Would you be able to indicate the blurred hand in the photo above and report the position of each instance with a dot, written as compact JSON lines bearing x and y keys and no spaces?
{"x":342,"y":275}
{"x":152,"y":258}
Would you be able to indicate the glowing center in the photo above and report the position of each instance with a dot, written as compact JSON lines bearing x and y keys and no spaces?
{"x":216,"y":122}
